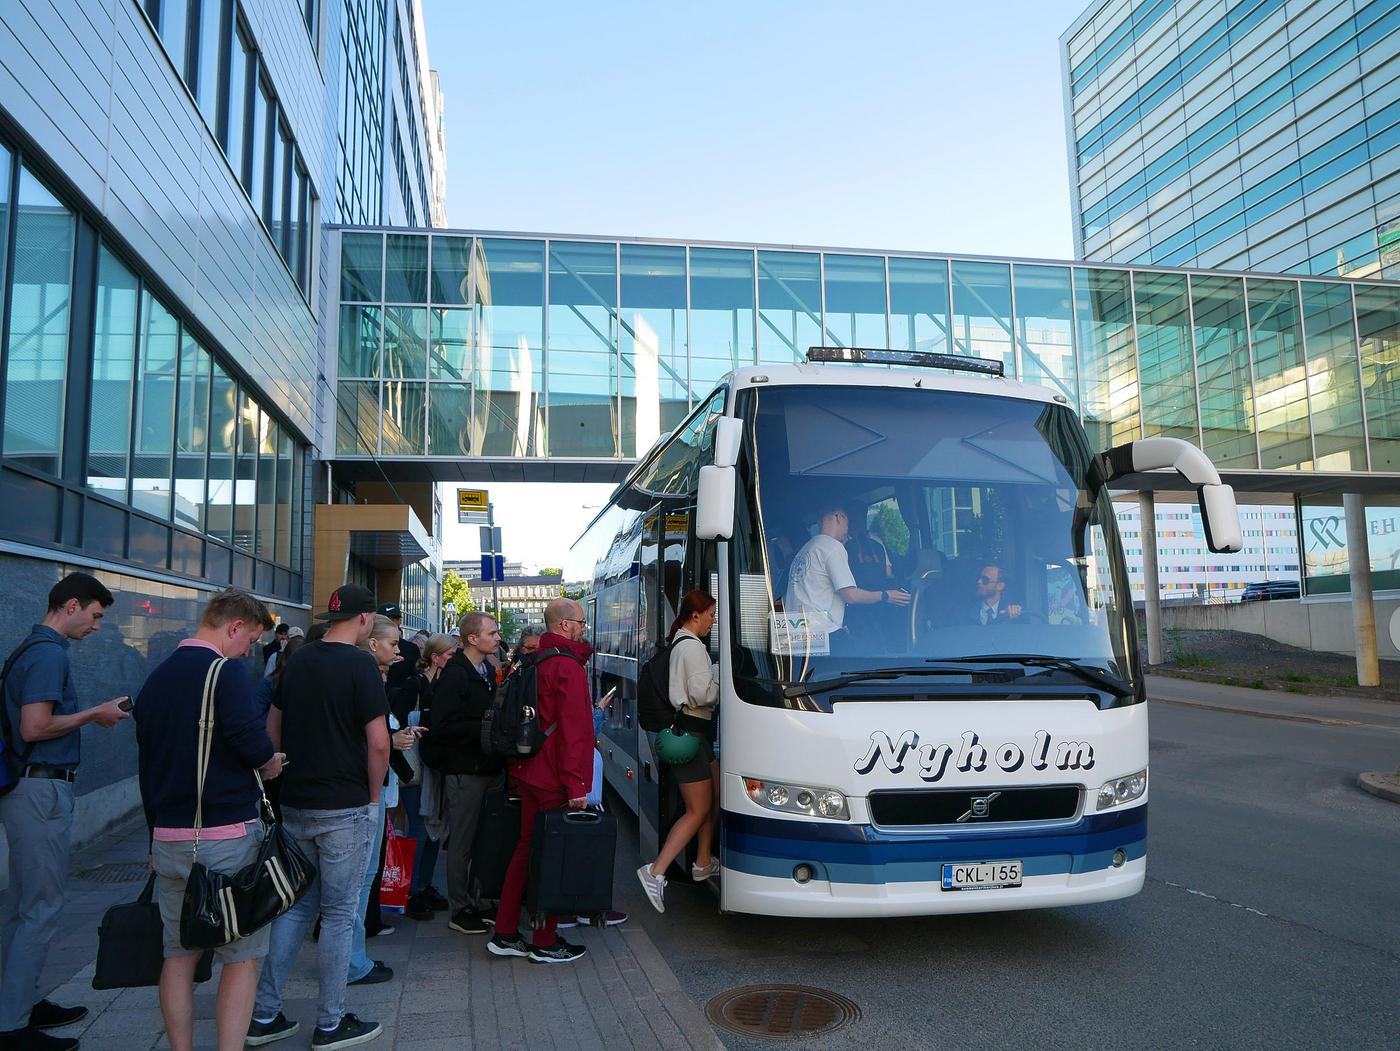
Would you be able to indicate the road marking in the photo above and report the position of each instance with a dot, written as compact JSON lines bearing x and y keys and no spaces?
{"x":1318,"y":720}
{"x":1212,"y":897}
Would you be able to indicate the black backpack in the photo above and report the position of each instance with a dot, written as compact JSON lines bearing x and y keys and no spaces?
{"x":654,"y":709}
{"x":12,"y":763}
{"x":511,"y":726}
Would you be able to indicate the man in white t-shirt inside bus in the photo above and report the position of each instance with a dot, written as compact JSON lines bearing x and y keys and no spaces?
{"x":820,"y":582}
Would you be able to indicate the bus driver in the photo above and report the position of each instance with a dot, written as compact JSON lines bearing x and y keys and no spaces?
{"x":820,"y":582}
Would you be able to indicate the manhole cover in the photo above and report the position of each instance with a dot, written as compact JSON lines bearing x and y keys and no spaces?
{"x":127,"y":872}
{"x":781,"y":1011}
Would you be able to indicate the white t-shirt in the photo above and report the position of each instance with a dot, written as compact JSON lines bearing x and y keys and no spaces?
{"x":820,"y":569}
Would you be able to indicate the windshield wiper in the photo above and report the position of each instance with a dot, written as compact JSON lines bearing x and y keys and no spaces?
{"x":801,"y":689}
{"x":1083,"y":672}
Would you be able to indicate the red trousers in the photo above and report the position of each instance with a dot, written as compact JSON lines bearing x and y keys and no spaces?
{"x":532,"y":801}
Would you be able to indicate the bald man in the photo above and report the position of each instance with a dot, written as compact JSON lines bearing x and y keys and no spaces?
{"x":558,"y":775}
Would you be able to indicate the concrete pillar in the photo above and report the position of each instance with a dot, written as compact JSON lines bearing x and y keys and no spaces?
{"x":1363,"y":610}
{"x":1152,"y":593}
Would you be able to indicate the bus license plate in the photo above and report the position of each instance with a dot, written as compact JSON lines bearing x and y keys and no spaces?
{"x":987,"y":875}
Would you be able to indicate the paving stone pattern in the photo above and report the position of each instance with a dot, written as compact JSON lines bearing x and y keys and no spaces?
{"x":447,"y":991}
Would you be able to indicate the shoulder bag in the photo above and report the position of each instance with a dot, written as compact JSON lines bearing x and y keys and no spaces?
{"x":219,"y":908}
{"x":131,"y":946}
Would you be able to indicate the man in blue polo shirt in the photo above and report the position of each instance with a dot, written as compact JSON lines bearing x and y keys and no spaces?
{"x":42,"y":720}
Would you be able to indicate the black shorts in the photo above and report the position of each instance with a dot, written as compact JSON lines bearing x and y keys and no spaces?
{"x":697,"y":768}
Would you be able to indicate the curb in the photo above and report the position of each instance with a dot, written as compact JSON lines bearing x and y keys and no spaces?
{"x":1318,"y":720}
{"x":1385,"y":786}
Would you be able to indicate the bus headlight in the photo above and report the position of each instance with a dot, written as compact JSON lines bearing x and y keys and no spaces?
{"x":798,"y":799}
{"x":1122,"y":790}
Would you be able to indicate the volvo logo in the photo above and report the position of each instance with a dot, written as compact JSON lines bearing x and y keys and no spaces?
{"x":981,"y":807}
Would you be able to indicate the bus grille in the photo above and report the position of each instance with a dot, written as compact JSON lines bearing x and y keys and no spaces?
{"x":952,"y":806}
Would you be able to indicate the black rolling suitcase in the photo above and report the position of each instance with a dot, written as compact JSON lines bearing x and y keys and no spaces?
{"x":496,"y":835}
{"x":571,"y":863}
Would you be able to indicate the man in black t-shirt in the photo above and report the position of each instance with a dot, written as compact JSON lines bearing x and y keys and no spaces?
{"x":328,"y":716}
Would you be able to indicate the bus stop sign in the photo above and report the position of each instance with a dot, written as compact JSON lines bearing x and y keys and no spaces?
{"x":472,"y":506}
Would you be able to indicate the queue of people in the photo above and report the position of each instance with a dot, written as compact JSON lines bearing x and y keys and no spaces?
{"x":338,"y":731}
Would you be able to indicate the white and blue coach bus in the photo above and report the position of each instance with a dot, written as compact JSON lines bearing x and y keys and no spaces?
{"x":899,"y":759}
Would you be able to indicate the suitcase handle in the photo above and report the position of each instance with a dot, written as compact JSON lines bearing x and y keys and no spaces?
{"x":588,"y":817}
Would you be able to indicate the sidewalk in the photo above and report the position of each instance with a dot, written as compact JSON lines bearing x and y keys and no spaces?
{"x":447,"y":991}
{"x":1324,"y":709}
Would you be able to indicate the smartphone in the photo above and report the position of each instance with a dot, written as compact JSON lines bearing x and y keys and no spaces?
{"x":607,"y":698}
{"x":126,"y":704}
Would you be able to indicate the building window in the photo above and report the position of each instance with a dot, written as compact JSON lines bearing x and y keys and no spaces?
{"x":113,"y":378}
{"x":213,"y":50}
{"x":36,"y":353}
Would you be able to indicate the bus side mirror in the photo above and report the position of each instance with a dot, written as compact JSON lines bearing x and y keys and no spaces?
{"x":1219,"y":516}
{"x":729,"y":433}
{"x":714,"y":503}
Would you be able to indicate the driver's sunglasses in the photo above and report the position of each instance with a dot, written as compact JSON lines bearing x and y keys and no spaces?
{"x":984,"y":579}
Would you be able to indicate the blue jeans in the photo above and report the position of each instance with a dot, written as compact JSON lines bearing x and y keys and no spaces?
{"x":360,"y":963}
{"x":338,"y":843}
{"x":425,"y":856}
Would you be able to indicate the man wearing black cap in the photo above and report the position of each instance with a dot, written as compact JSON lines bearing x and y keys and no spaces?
{"x":279,"y":639}
{"x":402,"y":670}
{"x":328,"y":717}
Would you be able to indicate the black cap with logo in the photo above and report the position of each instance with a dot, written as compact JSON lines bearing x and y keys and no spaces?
{"x":391,"y":610}
{"x":348,"y":600}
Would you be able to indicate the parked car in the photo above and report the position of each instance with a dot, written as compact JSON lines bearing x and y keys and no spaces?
{"x":1267,"y":590}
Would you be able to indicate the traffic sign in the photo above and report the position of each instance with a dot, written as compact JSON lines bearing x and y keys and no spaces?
{"x":490,"y":540}
{"x":493,"y":568}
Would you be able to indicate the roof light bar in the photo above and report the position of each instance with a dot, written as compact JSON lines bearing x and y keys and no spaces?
{"x":873,"y":356}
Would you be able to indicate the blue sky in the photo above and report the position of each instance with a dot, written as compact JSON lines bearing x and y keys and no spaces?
{"x":935,"y":126}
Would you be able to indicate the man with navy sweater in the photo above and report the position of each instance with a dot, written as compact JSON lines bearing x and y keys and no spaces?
{"x":168,"y":712}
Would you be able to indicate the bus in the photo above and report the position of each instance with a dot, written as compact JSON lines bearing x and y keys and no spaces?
{"x":911,"y":755}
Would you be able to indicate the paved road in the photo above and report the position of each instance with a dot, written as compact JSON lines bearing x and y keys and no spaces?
{"x":1269,"y":919}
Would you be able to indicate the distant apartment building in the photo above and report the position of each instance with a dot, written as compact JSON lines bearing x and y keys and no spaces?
{"x":1187,"y":571}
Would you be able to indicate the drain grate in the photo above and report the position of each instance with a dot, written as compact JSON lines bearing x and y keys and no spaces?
{"x":782,"y":1012}
{"x":125,"y":872}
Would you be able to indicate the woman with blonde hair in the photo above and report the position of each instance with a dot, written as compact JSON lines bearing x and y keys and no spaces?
{"x":414,"y":708}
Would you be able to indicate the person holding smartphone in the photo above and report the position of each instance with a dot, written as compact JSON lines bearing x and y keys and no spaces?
{"x":462,"y":694}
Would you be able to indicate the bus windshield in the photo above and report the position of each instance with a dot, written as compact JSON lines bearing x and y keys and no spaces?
{"x":896,"y":528}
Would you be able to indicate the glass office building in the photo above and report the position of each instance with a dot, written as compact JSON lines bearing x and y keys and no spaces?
{"x":458,"y":344}
{"x":168,"y":169}
{"x":1259,"y":135}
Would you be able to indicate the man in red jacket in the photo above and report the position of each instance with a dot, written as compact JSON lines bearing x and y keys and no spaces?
{"x":558,"y":775}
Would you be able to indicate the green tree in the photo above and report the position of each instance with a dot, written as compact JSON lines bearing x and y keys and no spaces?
{"x":456,"y":591}
{"x":890,"y":527}
{"x":551,"y":571}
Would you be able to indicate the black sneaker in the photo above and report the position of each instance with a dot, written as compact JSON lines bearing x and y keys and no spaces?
{"x":31,"y":1039}
{"x":419,"y":907}
{"x":468,"y":921}
{"x":48,"y":1015}
{"x":350,"y":1032}
{"x":508,"y":945}
{"x":560,"y":952}
{"x":436,"y":900}
{"x":378,"y":972}
{"x":279,"y":1028}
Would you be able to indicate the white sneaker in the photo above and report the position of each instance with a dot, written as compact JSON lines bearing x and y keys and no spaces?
{"x":700,"y":873}
{"x":655,"y":886}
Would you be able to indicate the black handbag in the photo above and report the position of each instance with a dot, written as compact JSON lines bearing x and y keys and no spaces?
{"x":131,"y":946}
{"x":218,"y":907}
